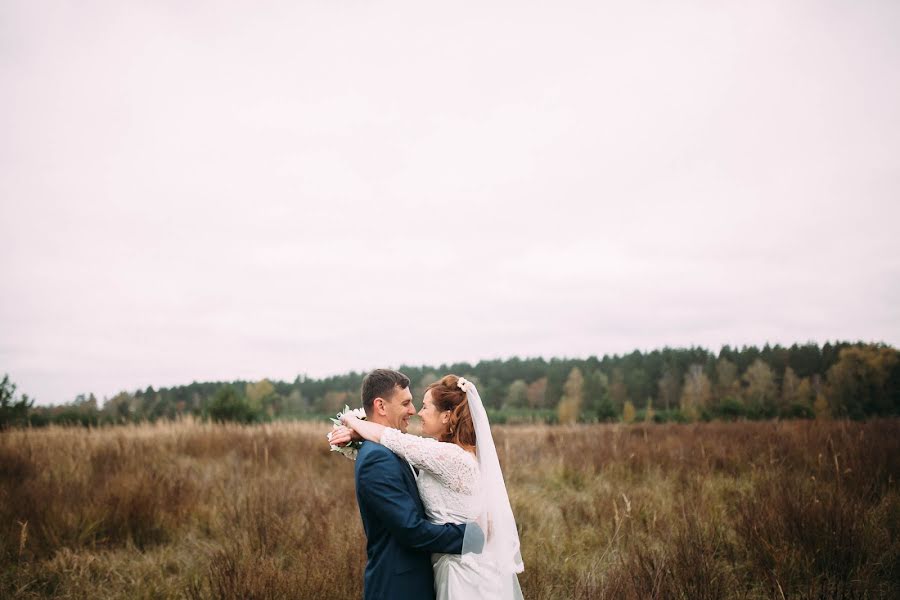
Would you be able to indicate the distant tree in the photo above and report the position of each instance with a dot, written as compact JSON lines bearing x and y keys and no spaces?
{"x":805,"y":360}
{"x":821,"y":408}
{"x":573,"y":397}
{"x":88,"y":404}
{"x":335,"y":400}
{"x":596,"y":394}
{"x":13,"y":411}
{"x":118,"y":408}
{"x":649,"y":413}
{"x":638,"y":384}
{"x":257,"y":392}
{"x":804,"y":392}
{"x":790,"y":384}
{"x":228,"y":405}
{"x":864,"y":381}
{"x":261,"y":397}
{"x":537,"y":393}
{"x":425,"y":380}
{"x":728,"y":384}
{"x":669,"y":389}
{"x":868,"y":384}
{"x":831,"y":353}
{"x":517,"y":394}
{"x":796,"y":394}
{"x":294,"y":404}
{"x":761,"y":393}
{"x":628,"y":412}
{"x":618,"y":391}
{"x":696,"y":394}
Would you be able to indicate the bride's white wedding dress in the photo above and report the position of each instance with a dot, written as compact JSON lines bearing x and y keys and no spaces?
{"x":449,"y":484}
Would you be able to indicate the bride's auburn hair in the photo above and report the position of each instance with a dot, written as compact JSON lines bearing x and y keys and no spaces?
{"x":446,"y":395}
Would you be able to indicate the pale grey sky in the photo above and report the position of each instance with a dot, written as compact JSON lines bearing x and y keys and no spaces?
{"x":222,"y":190}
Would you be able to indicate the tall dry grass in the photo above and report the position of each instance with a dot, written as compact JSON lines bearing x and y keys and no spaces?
{"x":193,"y":510}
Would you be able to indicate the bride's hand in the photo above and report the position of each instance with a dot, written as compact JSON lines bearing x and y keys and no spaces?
{"x":341,"y":436}
{"x":348,"y":419}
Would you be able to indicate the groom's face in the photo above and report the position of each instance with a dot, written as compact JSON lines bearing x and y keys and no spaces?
{"x":399,"y":409}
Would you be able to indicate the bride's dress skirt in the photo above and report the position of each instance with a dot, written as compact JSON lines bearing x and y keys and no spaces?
{"x":465,"y":577}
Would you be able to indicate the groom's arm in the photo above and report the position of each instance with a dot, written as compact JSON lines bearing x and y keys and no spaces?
{"x":380,"y":485}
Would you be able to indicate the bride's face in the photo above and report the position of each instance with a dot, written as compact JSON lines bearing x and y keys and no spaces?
{"x":434,"y":422}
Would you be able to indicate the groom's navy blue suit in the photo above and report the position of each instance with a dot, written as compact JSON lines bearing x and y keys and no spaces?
{"x":400,"y":539}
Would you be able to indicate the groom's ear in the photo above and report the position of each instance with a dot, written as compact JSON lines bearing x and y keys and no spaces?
{"x":378,"y":406}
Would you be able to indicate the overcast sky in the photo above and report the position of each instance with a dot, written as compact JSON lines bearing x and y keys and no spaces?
{"x":219,"y":190}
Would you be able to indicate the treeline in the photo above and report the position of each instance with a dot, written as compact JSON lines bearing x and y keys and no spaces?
{"x":843,"y":380}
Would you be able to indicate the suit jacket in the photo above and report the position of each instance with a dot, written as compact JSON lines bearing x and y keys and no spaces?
{"x":399,"y":538}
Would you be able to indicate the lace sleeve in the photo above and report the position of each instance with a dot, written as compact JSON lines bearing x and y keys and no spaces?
{"x":453,"y":466}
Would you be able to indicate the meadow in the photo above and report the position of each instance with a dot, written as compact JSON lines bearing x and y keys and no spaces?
{"x":781,"y":509}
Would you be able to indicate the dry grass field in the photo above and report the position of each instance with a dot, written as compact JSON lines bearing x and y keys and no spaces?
{"x":708,"y":511}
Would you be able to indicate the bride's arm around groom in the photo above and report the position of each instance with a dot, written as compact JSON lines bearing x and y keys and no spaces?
{"x":384,"y":483}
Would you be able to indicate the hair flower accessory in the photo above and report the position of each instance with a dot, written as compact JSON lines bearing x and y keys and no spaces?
{"x":464,"y":384}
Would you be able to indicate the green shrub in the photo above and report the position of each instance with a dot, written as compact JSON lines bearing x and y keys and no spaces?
{"x":227,"y":405}
{"x":730,"y":409}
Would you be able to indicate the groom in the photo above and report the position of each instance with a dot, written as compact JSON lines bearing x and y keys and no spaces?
{"x":399,"y":538}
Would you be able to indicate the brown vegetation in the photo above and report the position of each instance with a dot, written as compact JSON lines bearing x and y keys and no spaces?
{"x":189,"y":510}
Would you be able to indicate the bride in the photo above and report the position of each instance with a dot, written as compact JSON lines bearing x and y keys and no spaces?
{"x":459,"y":481}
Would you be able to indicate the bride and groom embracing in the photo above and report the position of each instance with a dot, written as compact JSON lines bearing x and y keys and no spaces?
{"x":434,"y":508}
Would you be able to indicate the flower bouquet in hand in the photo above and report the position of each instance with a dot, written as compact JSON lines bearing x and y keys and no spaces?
{"x":351,"y":449}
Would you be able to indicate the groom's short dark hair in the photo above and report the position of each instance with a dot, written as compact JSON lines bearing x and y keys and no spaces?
{"x":380,"y":383}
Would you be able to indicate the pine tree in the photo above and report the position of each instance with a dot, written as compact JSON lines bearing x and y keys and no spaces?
{"x":13,"y":411}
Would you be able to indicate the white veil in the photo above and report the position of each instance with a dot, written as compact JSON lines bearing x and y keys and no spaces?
{"x":501,"y":552}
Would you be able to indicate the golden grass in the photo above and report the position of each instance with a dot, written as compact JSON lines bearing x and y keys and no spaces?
{"x":194,"y":510}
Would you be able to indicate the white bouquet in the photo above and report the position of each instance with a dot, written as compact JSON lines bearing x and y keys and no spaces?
{"x":351,"y":449}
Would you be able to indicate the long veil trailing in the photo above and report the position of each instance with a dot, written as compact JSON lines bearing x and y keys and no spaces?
{"x":501,"y":552}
